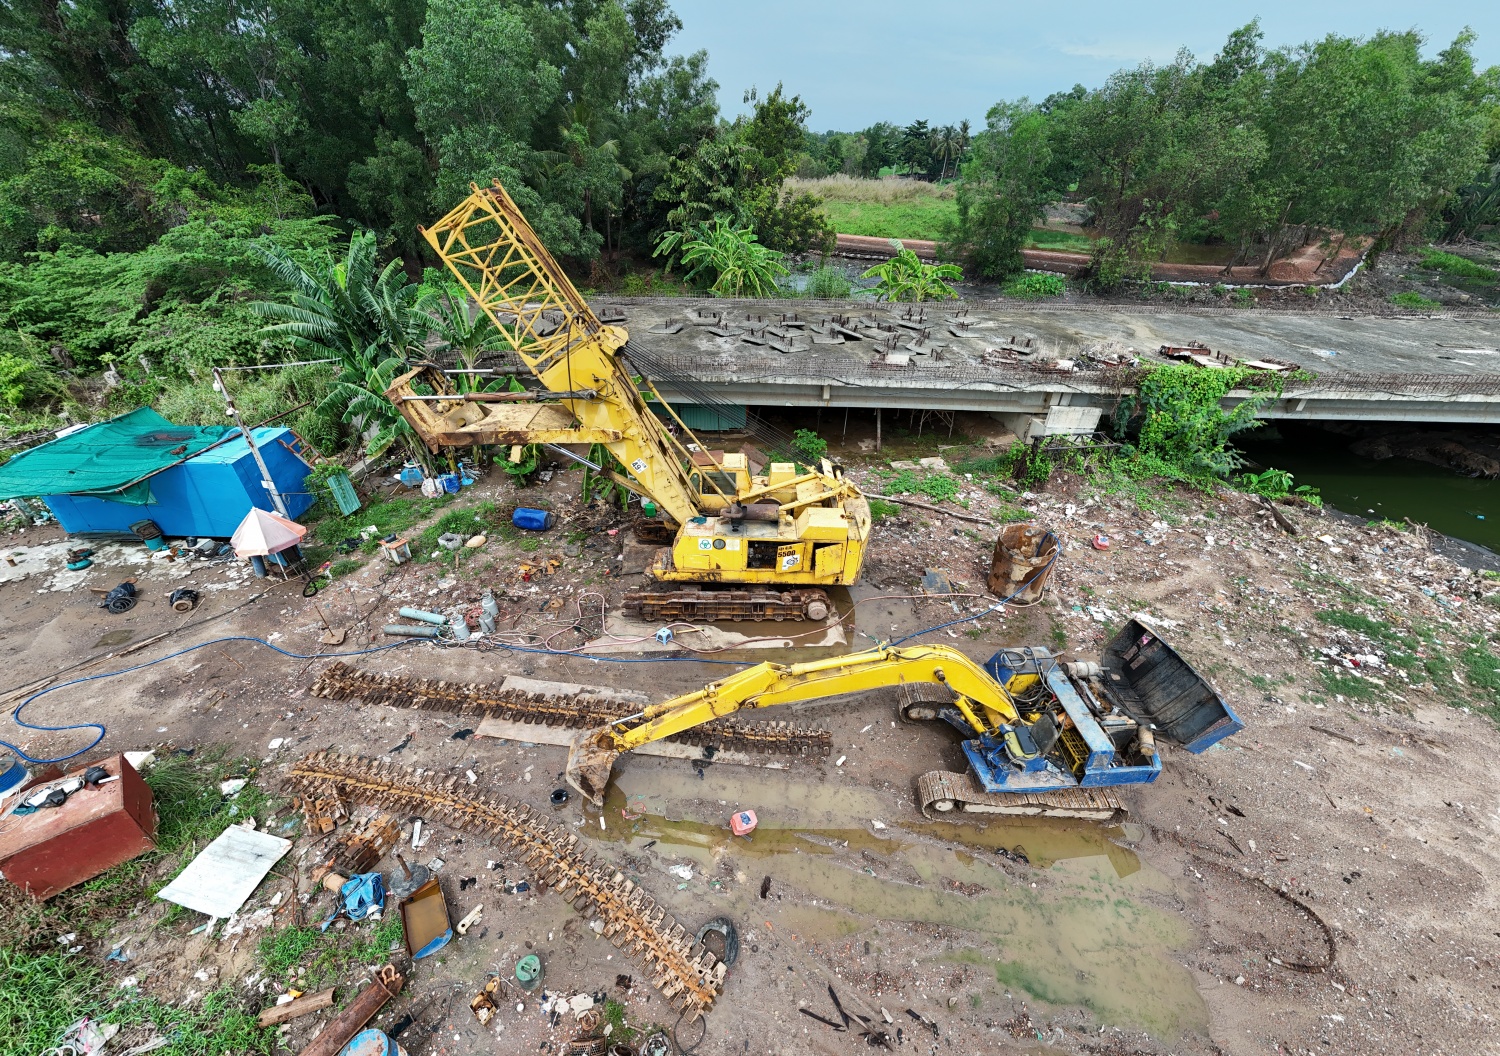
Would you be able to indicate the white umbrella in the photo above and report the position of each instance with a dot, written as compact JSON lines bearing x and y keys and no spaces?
{"x":263,"y":532}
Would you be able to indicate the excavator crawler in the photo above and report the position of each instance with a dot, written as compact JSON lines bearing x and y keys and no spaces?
{"x":795,"y":528}
{"x":1042,"y":737}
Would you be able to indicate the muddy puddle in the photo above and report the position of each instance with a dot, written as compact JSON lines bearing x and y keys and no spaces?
{"x":119,"y":637}
{"x":1089,"y":933}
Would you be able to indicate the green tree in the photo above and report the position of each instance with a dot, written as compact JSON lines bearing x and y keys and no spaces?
{"x":1006,"y":186}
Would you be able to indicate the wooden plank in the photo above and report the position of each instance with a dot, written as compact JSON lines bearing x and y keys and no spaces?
{"x":299,"y":1007}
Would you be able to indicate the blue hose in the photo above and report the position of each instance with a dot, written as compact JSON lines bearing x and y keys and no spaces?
{"x":103,"y":731}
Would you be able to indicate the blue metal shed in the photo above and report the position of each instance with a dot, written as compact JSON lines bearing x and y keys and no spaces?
{"x":206,"y":496}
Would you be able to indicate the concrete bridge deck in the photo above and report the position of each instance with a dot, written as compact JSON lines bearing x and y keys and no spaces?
{"x":1012,"y":359}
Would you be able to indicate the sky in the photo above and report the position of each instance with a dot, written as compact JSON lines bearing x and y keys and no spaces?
{"x":855,"y":62}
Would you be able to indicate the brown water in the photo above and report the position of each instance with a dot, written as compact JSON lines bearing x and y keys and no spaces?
{"x":1089,"y":932}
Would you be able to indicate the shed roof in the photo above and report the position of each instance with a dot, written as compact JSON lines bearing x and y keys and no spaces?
{"x":113,"y":459}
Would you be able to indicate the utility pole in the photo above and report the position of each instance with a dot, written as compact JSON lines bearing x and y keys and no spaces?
{"x":265,"y":474}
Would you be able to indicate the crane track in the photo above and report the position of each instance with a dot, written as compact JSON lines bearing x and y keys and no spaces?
{"x":584,"y":710}
{"x":687,"y":974}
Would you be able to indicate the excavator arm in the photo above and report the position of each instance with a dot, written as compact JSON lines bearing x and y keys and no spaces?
{"x":985,"y":704}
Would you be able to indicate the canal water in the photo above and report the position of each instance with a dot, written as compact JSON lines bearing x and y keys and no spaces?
{"x":1463,"y":507}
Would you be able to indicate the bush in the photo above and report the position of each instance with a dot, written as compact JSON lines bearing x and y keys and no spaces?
{"x":1036,"y":286}
{"x":828,"y":284}
{"x":1414,"y":301}
{"x":810,"y":445}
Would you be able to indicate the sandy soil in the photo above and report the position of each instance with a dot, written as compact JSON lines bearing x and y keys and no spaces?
{"x":1366,"y":798}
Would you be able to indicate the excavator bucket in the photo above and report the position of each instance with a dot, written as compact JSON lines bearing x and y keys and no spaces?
{"x":591,"y":761}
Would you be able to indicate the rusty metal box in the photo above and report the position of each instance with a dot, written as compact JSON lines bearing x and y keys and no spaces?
{"x":96,"y":829}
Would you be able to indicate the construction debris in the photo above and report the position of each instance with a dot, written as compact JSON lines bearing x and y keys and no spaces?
{"x":689,"y":976}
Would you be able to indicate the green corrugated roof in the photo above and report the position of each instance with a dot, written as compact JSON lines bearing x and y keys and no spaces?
{"x":112,"y":459}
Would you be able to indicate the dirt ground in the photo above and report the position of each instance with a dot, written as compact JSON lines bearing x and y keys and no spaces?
{"x":1363,"y":789}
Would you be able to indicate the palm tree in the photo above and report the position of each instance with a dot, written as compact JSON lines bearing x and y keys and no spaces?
{"x":946,"y":148}
{"x":343,"y":309}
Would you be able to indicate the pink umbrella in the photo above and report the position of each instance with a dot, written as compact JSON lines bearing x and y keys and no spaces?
{"x":263,"y":532}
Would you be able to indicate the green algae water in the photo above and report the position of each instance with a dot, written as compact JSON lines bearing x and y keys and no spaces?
{"x":1466,"y":508}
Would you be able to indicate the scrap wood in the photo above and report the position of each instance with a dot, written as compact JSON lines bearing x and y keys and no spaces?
{"x":1282,"y":520}
{"x":385,"y":985}
{"x":928,"y":506}
{"x":299,"y":1007}
{"x":930,"y":1024}
{"x":821,"y":1019}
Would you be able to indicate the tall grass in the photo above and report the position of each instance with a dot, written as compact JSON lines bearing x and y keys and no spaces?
{"x":842,"y":188}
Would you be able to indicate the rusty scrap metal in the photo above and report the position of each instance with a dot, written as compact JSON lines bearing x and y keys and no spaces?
{"x":385,"y":985}
{"x":579,"y":711}
{"x":688,"y":976}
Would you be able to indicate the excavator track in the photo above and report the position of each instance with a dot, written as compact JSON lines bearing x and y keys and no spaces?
{"x":695,"y":604}
{"x":946,"y":796}
{"x":584,"y":710}
{"x":689,"y":976}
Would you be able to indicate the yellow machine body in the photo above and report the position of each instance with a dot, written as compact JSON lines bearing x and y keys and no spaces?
{"x":820,"y":527}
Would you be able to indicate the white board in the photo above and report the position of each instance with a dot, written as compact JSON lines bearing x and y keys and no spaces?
{"x":226,"y":872}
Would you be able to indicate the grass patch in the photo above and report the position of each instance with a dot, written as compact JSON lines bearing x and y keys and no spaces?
{"x":939,"y":487}
{"x":921,"y":218}
{"x":43,"y":991}
{"x":880,"y":510}
{"x":1414,"y":301}
{"x":1350,"y":687}
{"x":394,"y":515}
{"x":1060,"y":241}
{"x":475,"y":520}
{"x":851,"y":190}
{"x":328,"y":957}
{"x":1375,"y":630}
{"x":1453,"y":264}
{"x":344,"y":567}
{"x":1035,"y":286}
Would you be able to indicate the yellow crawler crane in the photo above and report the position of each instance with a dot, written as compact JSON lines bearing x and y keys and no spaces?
{"x":769,"y":543}
{"x":1041,"y":736}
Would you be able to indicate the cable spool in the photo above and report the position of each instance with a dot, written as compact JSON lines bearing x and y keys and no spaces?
{"x":183,"y":599}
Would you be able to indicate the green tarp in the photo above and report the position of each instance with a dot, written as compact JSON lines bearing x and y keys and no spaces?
{"x":110,"y":460}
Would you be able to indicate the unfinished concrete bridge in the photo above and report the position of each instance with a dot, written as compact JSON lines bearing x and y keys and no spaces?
{"x":1056,"y":367}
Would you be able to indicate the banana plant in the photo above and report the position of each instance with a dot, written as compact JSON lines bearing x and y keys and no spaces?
{"x":905,"y":277}
{"x":365,"y":319}
{"x":738,"y":264}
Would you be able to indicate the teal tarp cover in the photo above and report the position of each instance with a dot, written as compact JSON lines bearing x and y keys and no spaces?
{"x":110,"y":460}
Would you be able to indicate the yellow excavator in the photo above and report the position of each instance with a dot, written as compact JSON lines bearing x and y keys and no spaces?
{"x":1042,"y":737}
{"x":764,"y":546}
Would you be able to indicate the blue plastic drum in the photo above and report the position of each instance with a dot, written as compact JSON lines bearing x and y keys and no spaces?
{"x":532,"y":520}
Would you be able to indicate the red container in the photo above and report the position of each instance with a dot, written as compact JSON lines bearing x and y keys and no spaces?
{"x":743,"y":822}
{"x":95,"y":830}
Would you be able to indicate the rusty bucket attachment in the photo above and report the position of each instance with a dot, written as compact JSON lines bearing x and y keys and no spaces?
{"x":1024,"y":558}
{"x":591,"y":761}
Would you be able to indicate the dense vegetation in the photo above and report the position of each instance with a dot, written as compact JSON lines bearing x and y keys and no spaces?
{"x":1259,"y":148}
{"x":170,"y":174}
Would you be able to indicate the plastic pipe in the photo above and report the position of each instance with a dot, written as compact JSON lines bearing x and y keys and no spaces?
{"x":426,"y":617}
{"x":406,"y":630}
